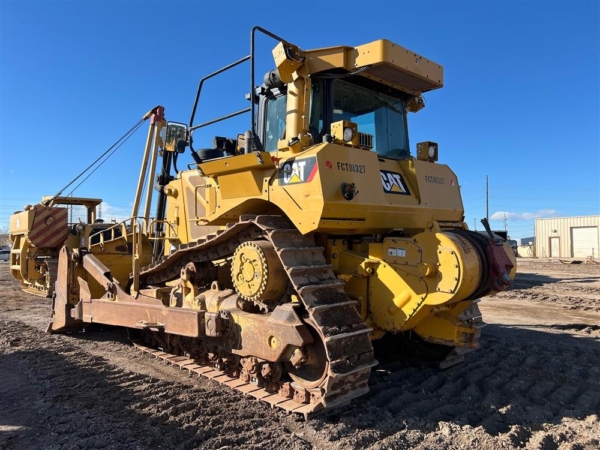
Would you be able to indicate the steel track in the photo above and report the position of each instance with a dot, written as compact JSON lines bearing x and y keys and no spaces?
{"x":48,"y":290}
{"x":345,"y":335}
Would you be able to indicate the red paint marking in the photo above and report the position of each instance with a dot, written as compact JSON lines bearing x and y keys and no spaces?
{"x":313,"y":172}
{"x":49,"y":235}
{"x":42,"y":216}
{"x":329,"y":165}
{"x":55,"y":239}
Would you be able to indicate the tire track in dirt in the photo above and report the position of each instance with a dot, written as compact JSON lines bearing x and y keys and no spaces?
{"x":574,"y":286}
{"x":505,"y":392}
{"x":85,"y":401}
{"x":525,"y":388}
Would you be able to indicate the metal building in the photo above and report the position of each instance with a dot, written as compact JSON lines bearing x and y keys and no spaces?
{"x":567,"y":237}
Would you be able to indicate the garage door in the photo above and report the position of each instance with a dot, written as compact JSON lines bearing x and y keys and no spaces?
{"x":585,"y":242}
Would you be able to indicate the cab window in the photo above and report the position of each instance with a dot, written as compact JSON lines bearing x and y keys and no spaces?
{"x":275,"y":122}
{"x":375,"y":113}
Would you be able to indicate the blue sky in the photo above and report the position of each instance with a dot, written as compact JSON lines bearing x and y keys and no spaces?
{"x":521,"y":101}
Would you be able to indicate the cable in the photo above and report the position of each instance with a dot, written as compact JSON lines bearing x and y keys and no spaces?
{"x":100,"y":165}
{"x":126,"y":136}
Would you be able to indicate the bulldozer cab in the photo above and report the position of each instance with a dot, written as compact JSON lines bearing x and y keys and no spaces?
{"x":379,"y":112}
{"x":326,"y":115}
{"x":354,"y":96}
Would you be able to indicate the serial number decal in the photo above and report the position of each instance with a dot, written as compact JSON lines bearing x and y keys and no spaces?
{"x":393,"y":183}
{"x":347,"y":167}
{"x":397,"y":251}
{"x":298,"y":171}
{"x":436,"y":180}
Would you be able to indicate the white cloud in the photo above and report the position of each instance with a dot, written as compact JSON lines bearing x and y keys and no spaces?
{"x":110,"y":212}
{"x":500,"y":215}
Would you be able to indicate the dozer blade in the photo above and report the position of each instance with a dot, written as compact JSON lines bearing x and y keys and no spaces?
{"x":62,"y":322}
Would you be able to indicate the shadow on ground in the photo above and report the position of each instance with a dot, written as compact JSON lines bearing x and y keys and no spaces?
{"x":528,"y":379}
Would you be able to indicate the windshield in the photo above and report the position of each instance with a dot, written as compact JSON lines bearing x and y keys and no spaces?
{"x":375,"y":113}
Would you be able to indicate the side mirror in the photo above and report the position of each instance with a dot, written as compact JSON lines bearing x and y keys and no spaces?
{"x":176,"y":137}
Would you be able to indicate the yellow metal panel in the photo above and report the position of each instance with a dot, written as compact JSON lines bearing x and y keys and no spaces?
{"x":444,"y":327}
{"x":328,"y":58}
{"x":399,"y":66}
{"x":287,"y":60}
{"x":448,"y":280}
{"x":316,"y":203}
{"x":21,"y":222}
{"x":307,"y":187}
{"x":237,"y":163}
{"x":414,"y":274}
{"x":240,"y":184}
{"x":401,"y":252}
{"x":410,"y":173}
{"x":394,"y":295}
{"x":385,"y":61}
{"x":298,"y":189}
{"x":439,"y":189}
{"x":179,"y":204}
{"x":84,"y":201}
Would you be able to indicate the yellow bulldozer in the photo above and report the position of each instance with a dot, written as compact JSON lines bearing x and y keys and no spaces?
{"x":276,"y":258}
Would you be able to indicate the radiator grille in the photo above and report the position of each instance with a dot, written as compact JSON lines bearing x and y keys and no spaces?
{"x":365,"y":140}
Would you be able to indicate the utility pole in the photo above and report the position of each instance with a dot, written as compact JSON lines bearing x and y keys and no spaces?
{"x":505,"y":227}
{"x":487,"y":199}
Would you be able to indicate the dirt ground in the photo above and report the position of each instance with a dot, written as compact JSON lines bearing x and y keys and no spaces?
{"x":535,"y":383}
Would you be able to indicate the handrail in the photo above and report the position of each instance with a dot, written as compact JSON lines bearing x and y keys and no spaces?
{"x":122,"y":225}
{"x":219,"y":119}
{"x":252,"y":84}
{"x":137,"y":228}
{"x":251,"y":58}
{"x":170,"y":225}
{"x":201,"y":83}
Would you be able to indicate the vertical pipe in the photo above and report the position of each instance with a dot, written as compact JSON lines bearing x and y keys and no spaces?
{"x":295,"y":105}
{"x":161,"y":204}
{"x":158,"y":120}
{"x":143,"y":169}
{"x":151,"y":171}
{"x":136,"y":255}
{"x":252,"y":33}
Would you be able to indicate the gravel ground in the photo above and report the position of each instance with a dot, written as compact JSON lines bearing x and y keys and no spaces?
{"x":535,"y":383}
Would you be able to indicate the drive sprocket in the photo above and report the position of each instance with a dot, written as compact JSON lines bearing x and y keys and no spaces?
{"x":257,"y":272}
